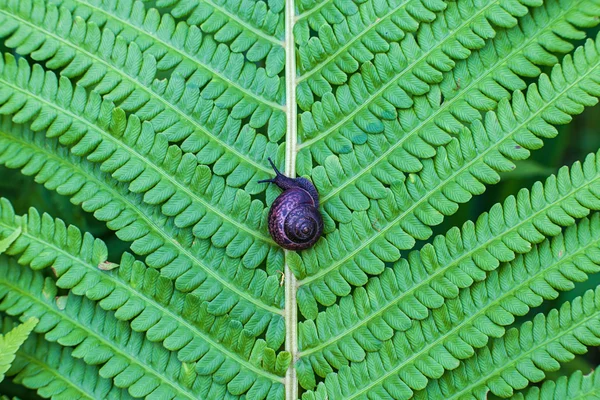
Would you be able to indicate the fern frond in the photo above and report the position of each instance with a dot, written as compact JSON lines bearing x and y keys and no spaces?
{"x":349,"y":35}
{"x":254,"y":22}
{"x":178,"y":256}
{"x":427,"y":279}
{"x":524,"y":355}
{"x":460,"y":170}
{"x":126,"y":357}
{"x":11,"y":341}
{"x":374,"y":377}
{"x":97,"y":337}
{"x":194,"y":103}
{"x":475,"y":85}
{"x":573,"y":387}
{"x":406,"y":69}
{"x":133,"y":154}
{"x":50,"y":369}
{"x":150,"y":303}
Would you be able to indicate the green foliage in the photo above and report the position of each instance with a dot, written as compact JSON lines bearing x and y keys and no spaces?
{"x":10,"y":343}
{"x":577,"y":386}
{"x":156,"y":118}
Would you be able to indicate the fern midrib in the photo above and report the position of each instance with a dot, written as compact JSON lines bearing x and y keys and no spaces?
{"x":53,"y":371}
{"x":133,"y":207}
{"x":408,"y":69}
{"x":183,"y":55}
{"x":445,"y":107}
{"x":456,"y":329}
{"x":140,"y":86}
{"x":291,"y":139}
{"x":164,"y":310}
{"x":116,"y":348}
{"x":320,"y":65}
{"x":246,"y":25}
{"x":454,"y":263}
{"x":562,"y":332}
{"x":147,"y":163}
{"x":422,"y":200}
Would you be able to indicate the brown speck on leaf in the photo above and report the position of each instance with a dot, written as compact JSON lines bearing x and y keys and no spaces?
{"x":375,"y":224}
{"x":517,"y":147}
{"x":457,"y":87}
{"x":107,"y":265}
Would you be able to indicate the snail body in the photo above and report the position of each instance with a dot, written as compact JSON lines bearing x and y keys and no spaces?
{"x":295,"y":222}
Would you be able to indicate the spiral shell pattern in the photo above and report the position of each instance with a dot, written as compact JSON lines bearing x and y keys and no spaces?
{"x":294,"y":221}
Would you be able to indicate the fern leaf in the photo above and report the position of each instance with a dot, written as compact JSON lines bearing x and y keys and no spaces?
{"x":158,"y":117}
{"x":459,"y":170}
{"x":54,"y":373}
{"x":121,"y":72}
{"x":10,"y":343}
{"x":155,"y":307}
{"x":256,"y":290}
{"x":124,"y":212}
{"x":428,"y":278}
{"x":80,"y":269}
{"x":126,"y":357}
{"x":574,"y":387}
{"x":163,"y":174}
{"x":359,"y":378}
{"x":258,"y":20}
{"x":406,"y":69}
{"x":7,"y":241}
{"x":350,"y":35}
{"x":475,"y":84}
{"x":524,"y":355}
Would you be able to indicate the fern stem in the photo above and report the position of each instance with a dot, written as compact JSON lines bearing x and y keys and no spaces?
{"x":291,"y":286}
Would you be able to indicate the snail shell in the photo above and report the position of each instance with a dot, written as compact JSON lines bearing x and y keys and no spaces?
{"x":295,"y":222}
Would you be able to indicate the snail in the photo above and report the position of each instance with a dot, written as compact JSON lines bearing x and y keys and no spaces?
{"x":295,"y":222}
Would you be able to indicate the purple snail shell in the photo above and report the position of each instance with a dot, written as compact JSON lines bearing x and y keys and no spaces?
{"x":295,"y":222}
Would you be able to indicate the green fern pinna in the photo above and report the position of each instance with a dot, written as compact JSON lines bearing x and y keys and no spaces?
{"x":156,"y":120}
